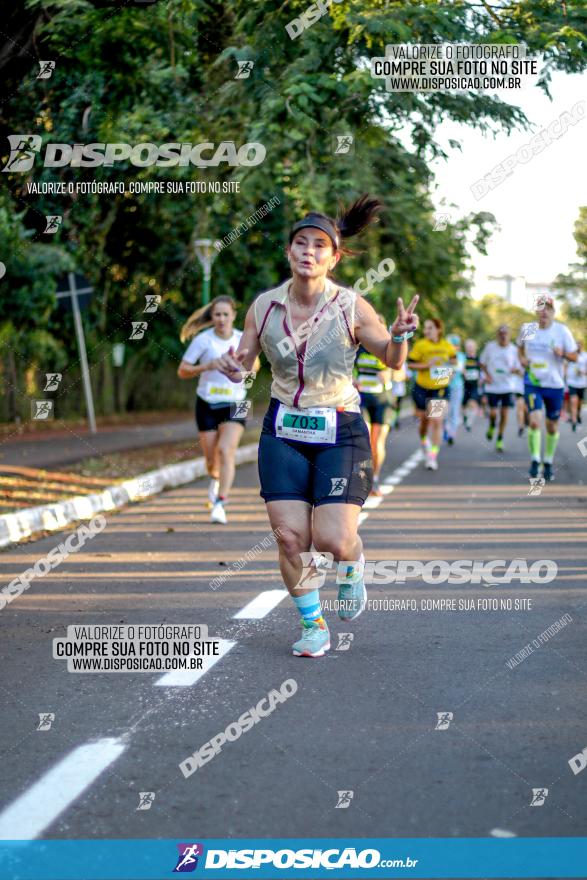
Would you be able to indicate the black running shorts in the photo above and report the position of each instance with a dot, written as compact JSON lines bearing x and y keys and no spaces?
{"x":504,"y":400}
{"x":210,"y":415}
{"x":421,"y":395}
{"x":471,"y":392}
{"x":377,"y":407}
{"x":317,"y":473}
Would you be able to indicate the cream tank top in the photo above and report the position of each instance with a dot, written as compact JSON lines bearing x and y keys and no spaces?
{"x":313,"y":365}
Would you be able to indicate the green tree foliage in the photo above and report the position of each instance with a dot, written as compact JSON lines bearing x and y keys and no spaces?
{"x":167,"y":72}
{"x":573,"y":284}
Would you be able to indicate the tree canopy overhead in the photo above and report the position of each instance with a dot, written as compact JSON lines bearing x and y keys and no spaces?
{"x":167,"y":72}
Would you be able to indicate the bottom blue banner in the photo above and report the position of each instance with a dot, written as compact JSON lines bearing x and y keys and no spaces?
{"x":221,"y":858}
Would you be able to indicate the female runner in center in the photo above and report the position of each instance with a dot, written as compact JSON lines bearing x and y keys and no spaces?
{"x":315,"y":463}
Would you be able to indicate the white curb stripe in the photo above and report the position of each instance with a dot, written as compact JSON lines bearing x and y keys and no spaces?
{"x":14,"y":527}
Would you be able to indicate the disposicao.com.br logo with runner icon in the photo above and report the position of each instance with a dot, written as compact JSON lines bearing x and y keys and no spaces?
{"x":187,"y":860}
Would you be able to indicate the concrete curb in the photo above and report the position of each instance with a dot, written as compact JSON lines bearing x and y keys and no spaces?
{"x":14,"y":527}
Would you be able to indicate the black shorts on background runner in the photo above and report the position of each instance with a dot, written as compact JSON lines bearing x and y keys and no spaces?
{"x":318,"y":473}
{"x":378,"y":407}
{"x":495,"y":399}
{"x":576,"y":392}
{"x":471,"y":392}
{"x":421,"y":395}
{"x":210,"y":415}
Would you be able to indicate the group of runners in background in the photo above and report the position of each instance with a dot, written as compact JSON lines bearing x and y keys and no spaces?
{"x":339,"y":376}
{"x":544,"y":370}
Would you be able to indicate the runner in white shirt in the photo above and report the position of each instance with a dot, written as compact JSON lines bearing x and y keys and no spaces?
{"x":577,"y":382}
{"x":543,"y":346}
{"x":220,"y":404}
{"x":501,"y":367}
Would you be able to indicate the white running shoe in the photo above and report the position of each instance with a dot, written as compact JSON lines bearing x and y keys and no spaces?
{"x":431,"y":461}
{"x":218,"y":514}
{"x":213,"y":487}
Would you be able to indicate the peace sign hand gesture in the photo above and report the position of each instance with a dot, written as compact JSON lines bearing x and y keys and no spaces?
{"x":407,"y":321}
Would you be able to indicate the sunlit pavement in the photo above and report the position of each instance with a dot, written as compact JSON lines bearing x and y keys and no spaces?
{"x":364,"y":719}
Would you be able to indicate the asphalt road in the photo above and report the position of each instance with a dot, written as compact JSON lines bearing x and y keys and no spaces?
{"x":362,"y":720}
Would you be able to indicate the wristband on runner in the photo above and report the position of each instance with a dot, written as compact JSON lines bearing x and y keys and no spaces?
{"x":403,"y":336}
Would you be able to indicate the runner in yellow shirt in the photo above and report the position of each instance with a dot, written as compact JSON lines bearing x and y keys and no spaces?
{"x":432,"y":358}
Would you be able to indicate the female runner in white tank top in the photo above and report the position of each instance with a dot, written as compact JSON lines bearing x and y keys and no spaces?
{"x":315,"y":462}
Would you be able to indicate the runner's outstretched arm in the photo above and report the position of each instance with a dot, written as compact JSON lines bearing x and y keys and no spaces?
{"x":234,"y":363}
{"x":371,"y":333}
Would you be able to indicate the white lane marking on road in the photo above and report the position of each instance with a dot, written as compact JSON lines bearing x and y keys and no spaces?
{"x":38,"y":807}
{"x":372,"y":502}
{"x":502,"y":832}
{"x":261,"y":605}
{"x":394,"y":479}
{"x":188,"y":677}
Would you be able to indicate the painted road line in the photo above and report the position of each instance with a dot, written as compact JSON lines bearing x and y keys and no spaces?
{"x":31,"y":813}
{"x":389,"y":483}
{"x":188,"y":677}
{"x":261,"y":605}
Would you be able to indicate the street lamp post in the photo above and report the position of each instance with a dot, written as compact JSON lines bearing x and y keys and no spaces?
{"x":206,"y":254}
{"x":72,"y":293}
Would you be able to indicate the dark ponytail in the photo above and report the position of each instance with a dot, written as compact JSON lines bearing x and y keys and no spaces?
{"x":349,"y":222}
{"x":359,"y":215}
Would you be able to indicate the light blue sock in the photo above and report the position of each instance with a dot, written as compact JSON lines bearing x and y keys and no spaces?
{"x":349,"y":572}
{"x":309,"y":606}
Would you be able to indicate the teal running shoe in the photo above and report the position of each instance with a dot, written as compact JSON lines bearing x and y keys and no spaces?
{"x":315,"y":639}
{"x":352,"y":598}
